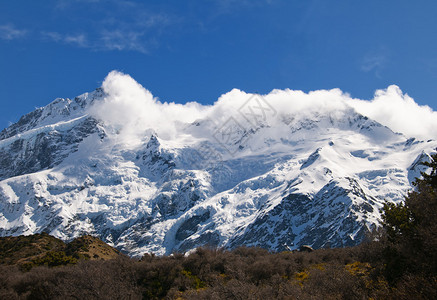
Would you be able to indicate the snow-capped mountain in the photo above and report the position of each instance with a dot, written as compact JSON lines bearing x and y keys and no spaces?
{"x":275,"y":171}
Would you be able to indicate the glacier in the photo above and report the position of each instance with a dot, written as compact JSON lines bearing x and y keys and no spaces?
{"x":275,"y":171}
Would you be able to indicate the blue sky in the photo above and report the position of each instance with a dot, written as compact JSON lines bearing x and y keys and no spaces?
{"x":197,"y":50}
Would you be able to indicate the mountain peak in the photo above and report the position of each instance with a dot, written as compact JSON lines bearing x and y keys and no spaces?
{"x":287,"y":168}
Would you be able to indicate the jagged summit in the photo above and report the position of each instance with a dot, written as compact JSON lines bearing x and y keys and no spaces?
{"x":276,"y":171}
{"x":60,"y":110}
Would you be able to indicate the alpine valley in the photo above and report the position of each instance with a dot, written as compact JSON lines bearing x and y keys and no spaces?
{"x":276,"y":171}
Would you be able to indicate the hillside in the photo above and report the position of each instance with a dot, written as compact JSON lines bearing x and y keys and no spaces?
{"x":43,"y":249}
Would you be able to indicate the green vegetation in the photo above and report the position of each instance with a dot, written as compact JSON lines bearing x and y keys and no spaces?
{"x":44,"y":250}
{"x":411,"y":231}
{"x":398,"y":262}
{"x":15,"y":250}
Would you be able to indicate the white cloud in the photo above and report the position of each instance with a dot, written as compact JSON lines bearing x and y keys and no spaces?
{"x":66,"y":4}
{"x":137,"y":32}
{"x":375,"y":61}
{"x":372,"y":62}
{"x":120,"y":40}
{"x":399,"y":112}
{"x":119,"y":26}
{"x":230,"y":5}
{"x":106,"y":40}
{"x":54,"y":36}
{"x":9,"y":32}
{"x":132,"y":110}
{"x":79,"y":40}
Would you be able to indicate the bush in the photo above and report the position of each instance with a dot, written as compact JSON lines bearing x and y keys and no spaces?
{"x":53,"y":259}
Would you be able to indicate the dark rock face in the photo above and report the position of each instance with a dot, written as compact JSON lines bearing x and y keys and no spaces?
{"x":327,"y":219}
{"x":25,"y":123}
{"x":159,"y":161}
{"x":43,"y":150}
{"x":311,"y":159}
{"x":38,"y":145}
{"x":209,"y":239}
{"x":190,"y":226}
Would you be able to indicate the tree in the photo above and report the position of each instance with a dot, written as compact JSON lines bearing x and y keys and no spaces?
{"x":411,"y":228}
{"x":431,"y":179}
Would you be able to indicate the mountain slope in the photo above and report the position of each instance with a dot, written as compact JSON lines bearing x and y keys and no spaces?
{"x":35,"y":249}
{"x":159,"y":177}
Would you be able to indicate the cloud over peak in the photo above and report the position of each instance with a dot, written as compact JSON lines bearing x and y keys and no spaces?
{"x":130,"y":108}
{"x":399,"y":112}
